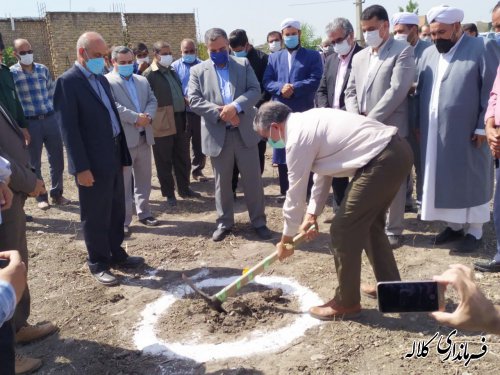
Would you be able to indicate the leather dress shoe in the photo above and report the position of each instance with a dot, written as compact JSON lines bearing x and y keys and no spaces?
{"x":171,"y":201}
{"x":468,"y":245}
{"x":29,"y":333}
{"x":128,"y":262}
{"x":264,"y":233}
{"x":60,"y":201}
{"x":369,"y":291}
{"x":189,"y":193}
{"x":395,"y":240}
{"x":448,"y":235}
{"x":105,"y":278}
{"x":220,"y":234}
{"x":149,"y":221}
{"x":332,"y":311}
{"x":487,"y":266}
{"x":26,"y":365}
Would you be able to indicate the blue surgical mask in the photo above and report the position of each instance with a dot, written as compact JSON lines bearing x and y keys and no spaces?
{"x":219,"y":58}
{"x":291,"y":41}
{"x":189,"y":59}
{"x":276,"y":144}
{"x":126,"y":70}
{"x":96,"y":65}
{"x":242,"y":53}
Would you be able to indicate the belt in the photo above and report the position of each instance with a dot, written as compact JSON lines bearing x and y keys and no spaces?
{"x":229,"y":127}
{"x":40,"y":117}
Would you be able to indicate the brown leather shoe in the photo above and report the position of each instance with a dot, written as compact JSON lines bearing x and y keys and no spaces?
{"x":333,"y":311}
{"x":30,"y":333}
{"x":26,"y":365}
{"x":369,"y":291}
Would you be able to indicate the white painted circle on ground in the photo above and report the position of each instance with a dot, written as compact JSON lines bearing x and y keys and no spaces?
{"x":256,"y":342}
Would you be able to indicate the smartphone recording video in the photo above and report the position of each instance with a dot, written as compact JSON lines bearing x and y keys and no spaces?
{"x":412,"y":296}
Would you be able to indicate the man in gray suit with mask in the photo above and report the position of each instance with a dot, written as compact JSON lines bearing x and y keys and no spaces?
{"x":381,"y":78}
{"x":223,"y":91}
{"x":136,"y":106}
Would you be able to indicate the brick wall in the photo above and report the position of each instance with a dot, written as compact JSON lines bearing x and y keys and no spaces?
{"x":151,"y":27}
{"x":32,"y":29}
{"x":64,"y":28}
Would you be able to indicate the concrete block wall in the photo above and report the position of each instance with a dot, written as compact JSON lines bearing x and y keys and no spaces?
{"x":148,"y":28}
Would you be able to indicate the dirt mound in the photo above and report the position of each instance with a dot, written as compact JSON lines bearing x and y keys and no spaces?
{"x":257,"y":308}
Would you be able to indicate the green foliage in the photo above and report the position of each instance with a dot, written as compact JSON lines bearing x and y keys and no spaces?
{"x":202,"y":51}
{"x":307,"y":37}
{"x":8,"y":56}
{"x":411,"y":7}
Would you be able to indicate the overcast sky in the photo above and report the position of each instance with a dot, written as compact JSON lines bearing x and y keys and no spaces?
{"x":257,"y":17}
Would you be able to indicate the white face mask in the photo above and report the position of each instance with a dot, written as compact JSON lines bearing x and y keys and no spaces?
{"x":342,"y":48}
{"x":275,"y":46}
{"x":143,"y":60}
{"x":166,"y":60}
{"x":403,"y":37}
{"x":26,"y":59}
{"x":426,"y":39}
{"x":373,"y":38}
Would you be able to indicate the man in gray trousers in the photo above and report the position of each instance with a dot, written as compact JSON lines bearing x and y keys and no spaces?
{"x":223,"y":91}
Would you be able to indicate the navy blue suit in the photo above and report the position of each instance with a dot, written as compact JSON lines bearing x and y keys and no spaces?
{"x":88,"y":134}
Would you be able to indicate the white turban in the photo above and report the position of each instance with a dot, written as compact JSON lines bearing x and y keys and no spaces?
{"x":445,"y":14}
{"x":290,"y":22}
{"x":404,"y":18}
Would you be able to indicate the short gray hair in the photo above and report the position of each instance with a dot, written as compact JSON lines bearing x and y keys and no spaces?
{"x":86,"y":38}
{"x":339,"y":23}
{"x":120,"y":50}
{"x":159,"y":45}
{"x":270,"y":112}
{"x":213,"y":34}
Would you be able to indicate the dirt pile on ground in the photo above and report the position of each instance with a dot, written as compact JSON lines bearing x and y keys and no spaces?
{"x":257,"y":308}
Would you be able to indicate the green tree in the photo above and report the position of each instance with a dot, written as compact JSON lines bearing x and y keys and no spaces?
{"x":202,"y":51}
{"x":307,"y":37}
{"x":411,"y":7}
{"x":8,"y":56}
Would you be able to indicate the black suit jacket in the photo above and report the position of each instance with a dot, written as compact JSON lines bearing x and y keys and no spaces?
{"x":258,"y":62}
{"x":326,"y":90}
{"x":86,"y":125}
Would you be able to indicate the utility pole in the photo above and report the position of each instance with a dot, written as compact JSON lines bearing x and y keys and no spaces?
{"x":359,"y":11}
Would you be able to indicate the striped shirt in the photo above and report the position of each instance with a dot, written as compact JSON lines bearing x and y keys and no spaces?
{"x":35,"y":89}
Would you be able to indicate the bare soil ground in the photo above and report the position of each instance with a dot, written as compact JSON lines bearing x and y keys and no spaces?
{"x":97,"y":323}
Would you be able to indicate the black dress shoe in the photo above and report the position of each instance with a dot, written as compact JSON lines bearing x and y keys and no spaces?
{"x":468,"y":245}
{"x":128,"y":262}
{"x":264,"y":233}
{"x":487,"y":266}
{"x":220,"y":234}
{"x":171,"y":201}
{"x":149,"y":221}
{"x":448,"y":235}
{"x":29,"y":218}
{"x":126,"y":231}
{"x":106,"y":278}
{"x":189,"y":193}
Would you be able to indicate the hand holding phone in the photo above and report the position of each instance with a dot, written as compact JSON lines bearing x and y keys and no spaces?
{"x":410,"y":296}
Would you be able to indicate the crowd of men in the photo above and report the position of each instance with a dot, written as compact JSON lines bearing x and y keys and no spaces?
{"x":347,"y":118}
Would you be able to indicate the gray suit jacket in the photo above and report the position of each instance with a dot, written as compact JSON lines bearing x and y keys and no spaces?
{"x":205,"y":98}
{"x":464,"y":174}
{"x":12,"y":148}
{"x":387,"y":85}
{"x":126,"y":107}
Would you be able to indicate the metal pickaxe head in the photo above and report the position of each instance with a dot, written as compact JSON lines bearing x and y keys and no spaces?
{"x":213,"y":302}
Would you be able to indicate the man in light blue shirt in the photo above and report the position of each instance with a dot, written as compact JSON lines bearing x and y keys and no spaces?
{"x":193,"y":122}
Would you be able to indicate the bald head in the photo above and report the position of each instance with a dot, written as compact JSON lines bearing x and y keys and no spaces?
{"x":20,"y":44}
{"x":90,"y":45}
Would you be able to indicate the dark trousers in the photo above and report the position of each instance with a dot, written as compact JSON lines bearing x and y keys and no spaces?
{"x":193,"y":129}
{"x":7,"y":355}
{"x":360,"y":221}
{"x":46,"y":132}
{"x":262,"y":158}
{"x":339,"y":186}
{"x":102,"y":212}
{"x":172,"y":153}
{"x":415,"y":146}
{"x":13,"y":237}
{"x":283,"y":178}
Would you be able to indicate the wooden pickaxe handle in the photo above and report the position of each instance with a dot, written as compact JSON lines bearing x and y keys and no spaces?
{"x":256,"y":270}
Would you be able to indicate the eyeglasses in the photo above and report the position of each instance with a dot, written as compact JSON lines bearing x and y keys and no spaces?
{"x":339,"y":40}
{"x":22,"y":53}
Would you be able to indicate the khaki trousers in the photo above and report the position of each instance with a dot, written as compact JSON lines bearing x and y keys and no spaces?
{"x":359,"y":223}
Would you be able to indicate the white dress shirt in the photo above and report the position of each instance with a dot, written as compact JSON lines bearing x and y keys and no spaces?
{"x":341,"y":72}
{"x":374,"y":60}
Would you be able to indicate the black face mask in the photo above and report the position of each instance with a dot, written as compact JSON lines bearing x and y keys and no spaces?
{"x":444,"y":45}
